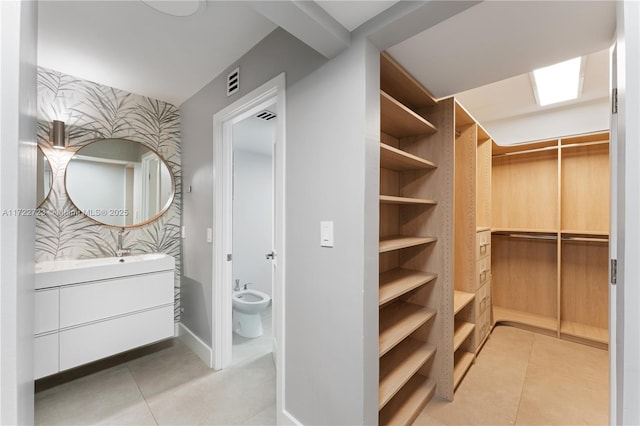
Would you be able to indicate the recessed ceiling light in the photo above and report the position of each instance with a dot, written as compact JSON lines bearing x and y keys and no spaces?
{"x":557,"y":83}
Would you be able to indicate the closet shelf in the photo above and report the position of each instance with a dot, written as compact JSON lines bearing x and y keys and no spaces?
{"x":461,"y":299}
{"x":399,"y":121}
{"x":583,"y":331}
{"x":398,"y":281}
{"x":399,"y":160}
{"x":391,"y":199}
{"x":524,"y":231}
{"x":534,"y":320}
{"x":462,"y":362}
{"x":402,"y":86}
{"x":401,"y":242}
{"x":398,"y":321}
{"x":462,"y":330}
{"x":408,"y":402}
{"x":399,"y":365}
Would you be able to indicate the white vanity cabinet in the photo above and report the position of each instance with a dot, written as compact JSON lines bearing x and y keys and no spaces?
{"x":83,"y":321}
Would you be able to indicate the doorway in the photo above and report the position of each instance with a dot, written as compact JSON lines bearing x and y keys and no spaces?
{"x":252,"y":241}
{"x":270,"y":97}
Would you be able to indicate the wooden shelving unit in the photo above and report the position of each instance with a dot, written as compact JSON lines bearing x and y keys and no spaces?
{"x":550,"y":227}
{"x":460,"y":300}
{"x":410,"y":289}
{"x":461,"y":364}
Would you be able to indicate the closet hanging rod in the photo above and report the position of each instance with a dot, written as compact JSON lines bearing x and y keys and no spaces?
{"x":587,"y":239}
{"x":528,"y":236}
{"x":528,"y":151}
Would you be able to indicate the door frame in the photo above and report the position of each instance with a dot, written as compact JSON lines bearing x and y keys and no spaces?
{"x":221,"y":328}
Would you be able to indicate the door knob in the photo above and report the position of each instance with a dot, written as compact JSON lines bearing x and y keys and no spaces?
{"x":270,"y":255}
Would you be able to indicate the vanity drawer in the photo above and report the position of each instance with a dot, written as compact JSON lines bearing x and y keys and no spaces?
{"x":483,"y":244}
{"x":45,"y":360}
{"x":47,"y":306}
{"x":483,"y":271}
{"x":83,"y":303}
{"x":87,"y":343}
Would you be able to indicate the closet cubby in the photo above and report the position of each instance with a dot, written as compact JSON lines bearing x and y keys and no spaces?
{"x":550,"y":226}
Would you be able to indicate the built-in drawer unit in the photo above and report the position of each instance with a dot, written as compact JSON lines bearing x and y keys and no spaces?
{"x":483,"y":271}
{"x":483,"y":298}
{"x":483,"y":244}
{"x":483,"y":327}
{"x":88,"y":318}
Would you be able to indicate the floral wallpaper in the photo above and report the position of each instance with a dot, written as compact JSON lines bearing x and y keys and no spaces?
{"x":92,"y":111}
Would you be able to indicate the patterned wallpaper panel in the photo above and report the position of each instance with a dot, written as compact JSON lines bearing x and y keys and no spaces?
{"x":91,"y":112}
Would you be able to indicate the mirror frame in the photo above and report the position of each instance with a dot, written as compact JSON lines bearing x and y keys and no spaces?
{"x":135,"y":225}
{"x":46,"y":197}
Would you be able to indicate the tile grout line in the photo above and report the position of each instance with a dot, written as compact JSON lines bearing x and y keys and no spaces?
{"x":133,"y":376}
{"x":533,"y":342}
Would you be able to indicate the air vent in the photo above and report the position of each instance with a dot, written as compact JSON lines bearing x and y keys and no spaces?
{"x":233,"y":82}
{"x":266,"y":115}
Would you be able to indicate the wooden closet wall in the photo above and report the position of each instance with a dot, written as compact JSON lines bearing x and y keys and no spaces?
{"x":550,"y":230}
{"x":434,"y":293}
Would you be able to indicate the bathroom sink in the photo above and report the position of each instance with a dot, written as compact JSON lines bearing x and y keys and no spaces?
{"x":62,"y":272}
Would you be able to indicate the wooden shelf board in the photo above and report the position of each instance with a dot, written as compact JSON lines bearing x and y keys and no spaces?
{"x":462,"y":362}
{"x":583,"y":331}
{"x":398,"y":321}
{"x":396,"y":282}
{"x":399,"y":365}
{"x":401,"y":85}
{"x":461,"y":330}
{"x":392,"y":199}
{"x":482,"y":228}
{"x":574,"y":232}
{"x":409,"y":402}
{"x":396,"y":159}
{"x":399,"y":121}
{"x":511,"y":315}
{"x":460,"y":300}
{"x":400,"y":242}
{"x":524,"y":148}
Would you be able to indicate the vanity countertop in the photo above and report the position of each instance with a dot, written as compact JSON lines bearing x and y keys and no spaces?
{"x":63,"y":272}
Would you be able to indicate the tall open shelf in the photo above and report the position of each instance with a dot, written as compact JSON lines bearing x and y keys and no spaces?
{"x":435,"y":245}
{"x":409,"y":276}
{"x":550,"y":221}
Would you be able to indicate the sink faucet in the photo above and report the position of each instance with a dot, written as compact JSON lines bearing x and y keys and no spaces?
{"x":120,"y":251}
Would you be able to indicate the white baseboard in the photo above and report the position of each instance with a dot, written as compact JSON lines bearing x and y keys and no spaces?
{"x":285,"y":418}
{"x":194,"y":343}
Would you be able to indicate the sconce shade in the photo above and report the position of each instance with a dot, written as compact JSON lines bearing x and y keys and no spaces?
{"x":57,"y":134}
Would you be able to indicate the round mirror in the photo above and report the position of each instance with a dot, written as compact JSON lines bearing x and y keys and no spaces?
{"x":119,"y":182}
{"x":44,"y":177}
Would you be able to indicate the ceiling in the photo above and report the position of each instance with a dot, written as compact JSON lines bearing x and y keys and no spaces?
{"x":489,"y":47}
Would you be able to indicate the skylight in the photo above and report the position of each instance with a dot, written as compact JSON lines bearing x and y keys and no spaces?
{"x":557,"y":83}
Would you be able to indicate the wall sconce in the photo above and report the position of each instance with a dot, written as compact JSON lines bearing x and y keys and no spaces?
{"x":58,"y":134}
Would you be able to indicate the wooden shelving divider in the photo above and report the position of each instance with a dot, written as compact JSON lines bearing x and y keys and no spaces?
{"x":550,"y":224}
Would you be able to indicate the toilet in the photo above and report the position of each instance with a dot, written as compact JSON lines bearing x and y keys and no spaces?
{"x":247,"y":306}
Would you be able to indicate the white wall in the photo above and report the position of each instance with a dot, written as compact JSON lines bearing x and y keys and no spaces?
{"x":587,"y":117}
{"x":17,"y":191}
{"x":252,"y":219}
{"x":627,"y":346}
{"x":331,"y":311}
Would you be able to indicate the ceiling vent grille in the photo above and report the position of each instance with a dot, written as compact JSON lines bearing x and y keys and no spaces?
{"x":233,"y":82}
{"x":266,"y":115}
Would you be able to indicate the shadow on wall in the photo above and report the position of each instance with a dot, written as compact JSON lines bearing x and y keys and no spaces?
{"x":193,"y":295}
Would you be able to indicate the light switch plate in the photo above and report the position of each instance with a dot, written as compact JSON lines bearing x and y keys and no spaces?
{"x":326,"y":234}
{"x":209,"y":235}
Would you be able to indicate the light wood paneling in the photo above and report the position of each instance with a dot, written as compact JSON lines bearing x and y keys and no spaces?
{"x":524,"y":275}
{"x":525,"y":191}
{"x":462,"y":362}
{"x":483,"y":182}
{"x":408,"y":402}
{"x":397,"y":282}
{"x":398,"y":321}
{"x":585,"y":188}
{"x":585,"y":283}
{"x":461,"y":299}
{"x":462,"y":331}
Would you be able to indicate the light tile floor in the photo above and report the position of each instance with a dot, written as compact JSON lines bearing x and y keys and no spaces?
{"x":519,"y":378}
{"x":524,"y":378}
{"x":165,"y":384}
